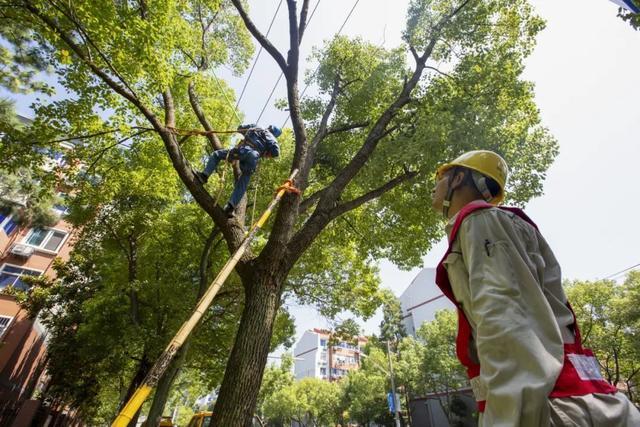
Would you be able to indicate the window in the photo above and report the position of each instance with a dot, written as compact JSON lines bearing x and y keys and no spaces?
{"x":10,"y":275}
{"x":7,"y":223}
{"x":323,"y":343}
{"x":45,"y":238}
{"x":5,"y":321}
{"x":323,"y":371}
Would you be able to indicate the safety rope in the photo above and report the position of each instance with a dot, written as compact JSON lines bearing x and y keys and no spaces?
{"x":256,"y":184}
{"x":198,"y":132}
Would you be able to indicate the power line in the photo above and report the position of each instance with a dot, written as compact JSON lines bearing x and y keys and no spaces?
{"x":269,"y":97}
{"x":318,"y":66}
{"x":281,"y":73}
{"x":621,"y":271}
{"x":244,"y":88}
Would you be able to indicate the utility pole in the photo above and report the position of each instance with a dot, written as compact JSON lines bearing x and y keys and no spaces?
{"x":393,"y":387}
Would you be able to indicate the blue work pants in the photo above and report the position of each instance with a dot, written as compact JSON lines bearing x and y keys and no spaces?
{"x":248,"y":158}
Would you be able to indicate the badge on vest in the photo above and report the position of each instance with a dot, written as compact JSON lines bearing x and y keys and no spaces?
{"x":586,"y":366}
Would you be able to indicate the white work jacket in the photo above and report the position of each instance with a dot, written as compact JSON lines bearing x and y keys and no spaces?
{"x":508,"y":282}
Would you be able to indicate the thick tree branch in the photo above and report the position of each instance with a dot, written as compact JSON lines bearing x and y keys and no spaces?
{"x":373,"y":194}
{"x":202,"y":118}
{"x":264,"y":42}
{"x":169,"y":109}
{"x":285,"y":220}
{"x":294,"y":38}
{"x":322,"y":128}
{"x":346,"y":128}
{"x":310,"y":201}
{"x":303,"y":20}
{"x":320,"y":218}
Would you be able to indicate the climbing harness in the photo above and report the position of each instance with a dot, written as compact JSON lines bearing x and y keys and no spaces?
{"x":151,"y":380}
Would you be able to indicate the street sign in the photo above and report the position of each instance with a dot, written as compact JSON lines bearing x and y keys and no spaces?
{"x":392,"y":406}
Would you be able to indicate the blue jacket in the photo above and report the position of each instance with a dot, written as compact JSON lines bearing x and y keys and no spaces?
{"x":262,"y":140}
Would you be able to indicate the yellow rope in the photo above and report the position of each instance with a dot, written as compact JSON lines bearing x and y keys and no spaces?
{"x":255,"y":193}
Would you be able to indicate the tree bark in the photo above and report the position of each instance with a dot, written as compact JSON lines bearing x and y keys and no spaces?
{"x":248,"y":358}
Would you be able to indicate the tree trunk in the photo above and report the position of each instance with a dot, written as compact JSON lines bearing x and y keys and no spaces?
{"x":243,"y":375}
{"x":164,"y":385}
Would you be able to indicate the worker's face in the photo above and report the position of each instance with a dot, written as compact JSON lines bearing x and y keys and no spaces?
{"x":439,"y":192}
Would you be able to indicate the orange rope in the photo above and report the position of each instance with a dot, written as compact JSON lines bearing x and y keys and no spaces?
{"x":288,"y":186}
{"x":190,"y":132}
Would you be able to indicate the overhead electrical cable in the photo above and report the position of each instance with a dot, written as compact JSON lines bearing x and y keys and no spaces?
{"x":244,"y":88}
{"x":611,"y":276}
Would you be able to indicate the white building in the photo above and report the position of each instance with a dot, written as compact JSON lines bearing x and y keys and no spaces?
{"x":421,"y":300}
{"x":313,"y":357}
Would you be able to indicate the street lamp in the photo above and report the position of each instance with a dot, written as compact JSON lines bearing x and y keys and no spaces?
{"x":393,"y":383}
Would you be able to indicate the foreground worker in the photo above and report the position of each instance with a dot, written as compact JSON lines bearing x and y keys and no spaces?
{"x":257,"y":143}
{"x":517,"y":335}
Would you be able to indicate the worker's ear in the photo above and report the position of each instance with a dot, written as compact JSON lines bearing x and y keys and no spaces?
{"x":458,"y":179}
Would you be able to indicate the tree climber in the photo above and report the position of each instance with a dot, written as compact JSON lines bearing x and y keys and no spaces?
{"x":256,"y":143}
{"x":517,"y":334}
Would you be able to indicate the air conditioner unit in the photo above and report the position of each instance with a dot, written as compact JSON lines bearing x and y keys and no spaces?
{"x":22,"y":250}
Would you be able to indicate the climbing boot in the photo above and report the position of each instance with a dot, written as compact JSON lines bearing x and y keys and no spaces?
{"x":201,"y":177}
{"x":228,"y":210}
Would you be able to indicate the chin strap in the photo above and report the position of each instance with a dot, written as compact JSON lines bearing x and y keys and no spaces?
{"x":446,"y":203}
{"x":480,"y":182}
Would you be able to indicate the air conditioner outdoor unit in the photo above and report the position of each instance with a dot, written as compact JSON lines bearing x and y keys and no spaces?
{"x":22,"y":250}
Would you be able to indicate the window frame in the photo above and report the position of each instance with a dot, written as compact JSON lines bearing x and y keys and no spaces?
{"x":2,"y":267}
{"x":8,"y":218}
{"x":50,"y":233}
{"x":6,"y":328}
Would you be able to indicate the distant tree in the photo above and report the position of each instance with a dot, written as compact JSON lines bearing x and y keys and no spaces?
{"x":365,"y":390}
{"x":276,"y":378}
{"x":609,"y":319}
{"x":21,"y":60}
{"x":309,"y":402}
{"x":29,"y":197}
{"x":391,"y":328}
{"x":428,"y":364}
{"x":632,"y":18}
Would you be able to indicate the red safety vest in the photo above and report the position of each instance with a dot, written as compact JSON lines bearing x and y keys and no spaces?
{"x":580,"y":374}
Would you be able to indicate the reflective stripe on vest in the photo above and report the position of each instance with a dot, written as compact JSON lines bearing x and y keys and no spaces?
{"x":580,"y":373}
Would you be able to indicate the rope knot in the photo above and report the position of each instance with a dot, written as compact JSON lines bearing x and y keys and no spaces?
{"x":289,"y":187}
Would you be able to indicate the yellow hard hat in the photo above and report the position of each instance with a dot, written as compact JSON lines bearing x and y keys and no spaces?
{"x":487,"y":163}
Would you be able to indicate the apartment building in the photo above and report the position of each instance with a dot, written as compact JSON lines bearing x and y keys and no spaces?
{"x":25,"y":251}
{"x":315,"y":358}
{"x":421,"y":300}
